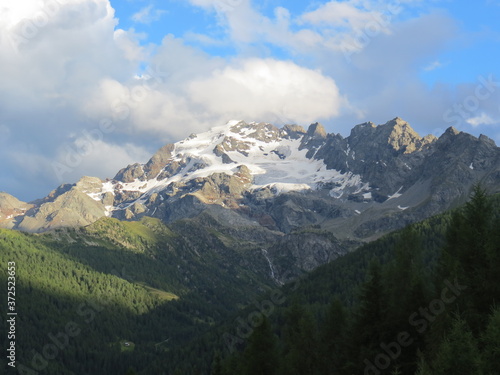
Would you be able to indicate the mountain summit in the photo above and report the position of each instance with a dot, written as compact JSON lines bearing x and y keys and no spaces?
{"x":377,"y":179}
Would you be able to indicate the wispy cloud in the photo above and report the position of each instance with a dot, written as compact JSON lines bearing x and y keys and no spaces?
{"x":148,"y":15}
{"x":433,"y":66}
{"x":482,"y":119}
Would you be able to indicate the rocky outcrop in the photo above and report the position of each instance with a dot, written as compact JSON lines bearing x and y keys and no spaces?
{"x":68,"y":206}
{"x":159,"y":160}
{"x":131,"y":173}
{"x":261,"y":131}
{"x":11,"y":210}
{"x":149,"y":170}
{"x":313,"y":139}
{"x":303,"y":251}
{"x":71,"y":209}
{"x":292,"y":132}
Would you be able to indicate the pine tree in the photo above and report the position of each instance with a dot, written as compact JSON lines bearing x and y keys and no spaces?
{"x":300,"y":346}
{"x":217,"y":365}
{"x":467,"y":258}
{"x":369,"y":322}
{"x":458,"y":353}
{"x":423,"y":367}
{"x":261,"y":356}
{"x":332,"y":339}
{"x":493,"y":260}
{"x":404,"y":287}
{"x":491,"y":344}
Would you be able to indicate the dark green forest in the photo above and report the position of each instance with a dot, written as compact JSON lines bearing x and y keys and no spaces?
{"x":428,"y":304}
{"x":137,"y":282}
{"x":145,"y":298}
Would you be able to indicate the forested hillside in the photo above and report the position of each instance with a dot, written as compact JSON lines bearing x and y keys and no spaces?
{"x":417,"y":301}
{"x":137,"y":282}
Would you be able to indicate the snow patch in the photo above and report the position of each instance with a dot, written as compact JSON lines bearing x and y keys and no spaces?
{"x":233,"y":122}
{"x":395,"y":195}
{"x":279,"y":188}
{"x":346,"y":182}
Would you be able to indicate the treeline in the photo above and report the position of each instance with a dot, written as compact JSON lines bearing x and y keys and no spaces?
{"x":428,"y":306}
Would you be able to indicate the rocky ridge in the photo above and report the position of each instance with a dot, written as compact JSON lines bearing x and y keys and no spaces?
{"x":377,"y":179}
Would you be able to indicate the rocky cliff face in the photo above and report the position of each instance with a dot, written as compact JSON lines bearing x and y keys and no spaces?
{"x":268,"y":182}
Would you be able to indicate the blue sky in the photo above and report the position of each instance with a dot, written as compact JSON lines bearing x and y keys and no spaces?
{"x":89,"y":86}
{"x":473,"y":50}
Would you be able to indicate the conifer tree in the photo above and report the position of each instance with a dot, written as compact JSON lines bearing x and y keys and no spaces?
{"x":217,"y":365}
{"x":466,"y":258}
{"x":458,"y":353}
{"x":491,"y":345}
{"x":332,"y":340}
{"x":369,"y":320}
{"x":404,"y":287}
{"x":261,"y":356}
{"x":300,"y":346}
{"x":423,"y":367}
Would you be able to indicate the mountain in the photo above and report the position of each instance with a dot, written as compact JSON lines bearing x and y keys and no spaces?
{"x":377,"y":178}
{"x":268,"y":186}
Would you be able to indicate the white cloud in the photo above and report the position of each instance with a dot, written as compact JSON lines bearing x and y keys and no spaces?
{"x":206,"y":92}
{"x":482,"y":119}
{"x":93,"y":157}
{"x":15,"y":11}
{"x":148,"y":15}
{"x":333,"y":26}
{"x":268,"y":89}
{"x":351,"y":15}
{"x":52,"y":57}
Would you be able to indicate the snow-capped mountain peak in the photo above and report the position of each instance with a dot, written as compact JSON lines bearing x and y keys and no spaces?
{"x":274,"y":157}
{"x":378,"y":177}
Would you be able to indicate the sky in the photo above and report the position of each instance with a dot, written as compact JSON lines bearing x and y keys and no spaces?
{"x":90,"y":86}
